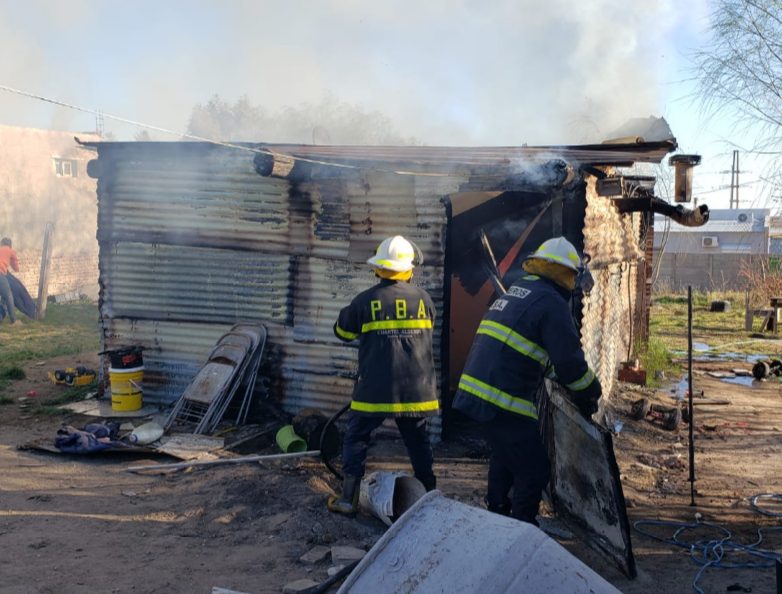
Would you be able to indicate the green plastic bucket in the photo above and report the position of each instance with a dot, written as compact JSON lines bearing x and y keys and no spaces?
{"x":289,"y":442}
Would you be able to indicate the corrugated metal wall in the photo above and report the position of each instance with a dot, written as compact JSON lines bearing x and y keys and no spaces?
{"x":611,"y":240}
{"x":193,"y":240}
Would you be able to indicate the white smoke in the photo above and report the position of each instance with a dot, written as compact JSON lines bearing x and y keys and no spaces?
{"x":445,"y":71}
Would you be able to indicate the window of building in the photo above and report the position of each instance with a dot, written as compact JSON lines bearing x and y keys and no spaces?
{"x":65,"y":167}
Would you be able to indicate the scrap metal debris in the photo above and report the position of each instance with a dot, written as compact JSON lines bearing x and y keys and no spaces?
{"x":765,"y":369}
{"x":669,"y":417}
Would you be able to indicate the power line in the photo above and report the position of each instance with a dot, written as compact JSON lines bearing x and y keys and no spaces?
{"x":101,"y":114}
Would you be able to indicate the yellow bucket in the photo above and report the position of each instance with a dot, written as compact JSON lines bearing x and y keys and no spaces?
{"x":126,"y":388}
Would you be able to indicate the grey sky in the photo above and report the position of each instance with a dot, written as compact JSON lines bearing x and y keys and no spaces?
{"x":446,"y":72}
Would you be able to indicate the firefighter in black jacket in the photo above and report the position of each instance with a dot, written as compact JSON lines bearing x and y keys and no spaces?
{"x":393,"y":323}
{"x":527,"y":334}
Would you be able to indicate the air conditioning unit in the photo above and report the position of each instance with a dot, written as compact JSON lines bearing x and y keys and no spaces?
{"x":710,"y":241}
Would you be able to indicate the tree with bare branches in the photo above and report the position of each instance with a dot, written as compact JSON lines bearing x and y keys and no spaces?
{"x":329,"y":121}
{"x":740,"y":69}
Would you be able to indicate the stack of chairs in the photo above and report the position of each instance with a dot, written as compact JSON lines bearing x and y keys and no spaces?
{"x":227,"y":378}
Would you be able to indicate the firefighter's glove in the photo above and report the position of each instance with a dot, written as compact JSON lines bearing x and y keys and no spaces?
{"x":586,"y":401}
{"x":586,"y":406}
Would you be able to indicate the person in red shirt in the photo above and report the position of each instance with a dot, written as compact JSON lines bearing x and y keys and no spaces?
{"x":7,"y":261}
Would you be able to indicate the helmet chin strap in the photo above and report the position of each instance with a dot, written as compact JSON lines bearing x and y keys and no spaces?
{"x":393,"y":275}
{"x":418,"y":260}
{"x":585,"y":281}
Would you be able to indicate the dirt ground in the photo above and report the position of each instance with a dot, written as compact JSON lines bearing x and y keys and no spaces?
{"x":73,"y":524}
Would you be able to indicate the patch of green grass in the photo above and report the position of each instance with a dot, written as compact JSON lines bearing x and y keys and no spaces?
{"x":52,"y":407}
{"x":12,"y":373}
{"x":657,"y":358}
{"x":6,"y":400}
{"x":73,"y":394}
{"x":723,"y":332}
{"x":47,"y":410}
{"x":67,"y":329}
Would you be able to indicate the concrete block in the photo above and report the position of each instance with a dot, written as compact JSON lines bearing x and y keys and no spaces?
{"x":315,"y":555}
{"x":299,"y":586}
{"x":344,"y":555}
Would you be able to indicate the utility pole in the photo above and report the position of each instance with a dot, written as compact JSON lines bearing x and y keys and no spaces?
{"x":734,"y":181}
{"x":99,"y":124}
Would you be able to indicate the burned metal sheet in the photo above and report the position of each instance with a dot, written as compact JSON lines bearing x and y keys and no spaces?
{"x":193,"y":240}
{"x":474,"y":159}
{"x":585,"y":488}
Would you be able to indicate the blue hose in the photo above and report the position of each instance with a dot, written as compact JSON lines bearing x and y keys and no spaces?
{"x":711,"y":552}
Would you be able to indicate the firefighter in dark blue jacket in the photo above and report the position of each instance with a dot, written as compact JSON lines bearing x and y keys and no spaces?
{"x":393,"y":323}
{"x":527,"y":334}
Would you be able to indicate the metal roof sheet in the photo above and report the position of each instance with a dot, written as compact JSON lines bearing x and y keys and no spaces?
{"x":442,"y":159}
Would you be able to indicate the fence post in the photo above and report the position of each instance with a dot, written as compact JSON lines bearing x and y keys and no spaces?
{"x":43,"y":276}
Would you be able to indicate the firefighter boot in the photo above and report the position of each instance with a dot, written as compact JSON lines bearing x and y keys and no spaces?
{"x":347,"y":503}
{"x":429,"y":481}
{"x":502,"y":509}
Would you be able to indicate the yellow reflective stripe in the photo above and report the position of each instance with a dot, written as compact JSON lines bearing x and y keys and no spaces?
{"x":395,"y":325}
{"x":514,"y":340}
{"x":394,"y":262}
{"x":497,"y":397}
{"x":395,"y":407}
{"x":344,"y":333}
{"x":583,"y":382}
{"x":570,"y":261}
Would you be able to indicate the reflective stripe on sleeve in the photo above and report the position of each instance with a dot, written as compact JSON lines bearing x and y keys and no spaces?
{"x":395,"y":407}
{"x":583,"y":382}
{"x":344,"y":333}
{"x":497,"y":397}
{"x":514,"y":340}
{"x":395,"y":325}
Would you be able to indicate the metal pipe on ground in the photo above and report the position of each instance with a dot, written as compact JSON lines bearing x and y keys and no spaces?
{"x":223,"y":461}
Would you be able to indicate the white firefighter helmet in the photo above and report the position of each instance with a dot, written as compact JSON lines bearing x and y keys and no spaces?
{"x":396,"y":254}
{"x":560,"y":251}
